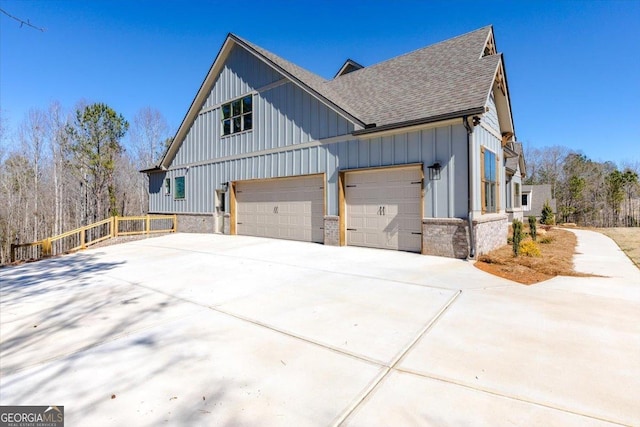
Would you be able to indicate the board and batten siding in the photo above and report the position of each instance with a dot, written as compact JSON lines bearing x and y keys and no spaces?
{"x":287,"y":126}
{"x":283,"y":114}
{"x":201,"y":181}
{"x":447,"y":145}
{"x":490,"y":118}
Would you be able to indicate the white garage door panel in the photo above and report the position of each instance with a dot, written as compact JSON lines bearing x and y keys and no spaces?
{"x":290,"y":208}
{"x":383,"y":208}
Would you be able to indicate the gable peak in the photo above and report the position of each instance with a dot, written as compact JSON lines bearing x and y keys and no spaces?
{"x":489,"y":45}
{"x":349,"y":66}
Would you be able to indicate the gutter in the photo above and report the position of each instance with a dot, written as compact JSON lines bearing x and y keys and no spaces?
{"x":472,"y":239}
{"x":153,"y":169}
{"x":372,"y":128}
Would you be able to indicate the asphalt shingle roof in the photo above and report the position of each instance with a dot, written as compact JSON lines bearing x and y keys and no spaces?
{"x":443,"y":78}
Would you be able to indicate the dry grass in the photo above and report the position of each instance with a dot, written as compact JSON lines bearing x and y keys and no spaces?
{"x":556,"y":260}
{"x":627,"y":238}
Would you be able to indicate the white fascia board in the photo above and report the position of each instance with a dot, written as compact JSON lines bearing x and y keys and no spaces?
{"x":199,"y":99}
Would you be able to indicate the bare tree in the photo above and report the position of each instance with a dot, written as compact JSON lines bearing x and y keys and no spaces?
{"x":149,"y":131}
{"x":32,"y":133}
{"x":57,"y":122}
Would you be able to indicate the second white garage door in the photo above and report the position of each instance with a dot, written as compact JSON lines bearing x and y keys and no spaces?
{"x":284,"y":208}
{"x":384,"y":208}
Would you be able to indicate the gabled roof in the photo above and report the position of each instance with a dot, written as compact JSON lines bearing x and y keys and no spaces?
{"x":349,"y":66}
{"x":516,"y":161}
{"x":450,"y":79}
{"x":445,"y":78}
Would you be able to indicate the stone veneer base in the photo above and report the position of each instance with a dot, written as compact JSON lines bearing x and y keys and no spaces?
{"x":332,"y":230}
{"x":490,"y":232}
{"x":193,"y":223}
{"x":448,"y":237}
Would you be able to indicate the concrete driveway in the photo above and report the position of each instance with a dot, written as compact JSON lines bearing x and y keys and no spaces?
{"x":193,"y":329}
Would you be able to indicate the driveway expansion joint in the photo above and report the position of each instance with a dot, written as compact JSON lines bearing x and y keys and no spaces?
{"x":369,"y":390}
{"x":506,"y":396}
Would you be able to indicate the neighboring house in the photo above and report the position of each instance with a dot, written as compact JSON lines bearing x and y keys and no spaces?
{"x":534,"y":198}
{"x":408,"y":154}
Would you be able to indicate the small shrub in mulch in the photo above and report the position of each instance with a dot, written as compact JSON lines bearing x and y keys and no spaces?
{"x":530,"y":248}
{"x":556,"y":259}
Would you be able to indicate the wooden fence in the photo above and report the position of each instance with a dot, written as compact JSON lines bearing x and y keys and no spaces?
{"x":82,"y":237}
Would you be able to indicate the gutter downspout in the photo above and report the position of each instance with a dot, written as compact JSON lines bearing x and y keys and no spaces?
{"x":472,"y":239}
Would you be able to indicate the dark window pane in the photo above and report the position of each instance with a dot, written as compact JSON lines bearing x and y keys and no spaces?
{"x":235,"y":107}
{"x":237,"y":124}
{"x":248,"y":121}
{"x":489,"y":166}
{"x":487,"y":190}
{"x":226,"y":111}
{"x":247,"y":104}
{"x":226,"y":127}
{"x":179,"y":187}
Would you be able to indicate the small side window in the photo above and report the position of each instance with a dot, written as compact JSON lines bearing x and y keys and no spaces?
{"x":179,"y":183}
{"x":167,"y":186}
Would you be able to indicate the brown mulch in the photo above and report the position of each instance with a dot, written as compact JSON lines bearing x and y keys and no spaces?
{"x":556,"y":260}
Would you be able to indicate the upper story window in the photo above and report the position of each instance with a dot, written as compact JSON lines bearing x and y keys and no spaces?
{"x":237,"y":116}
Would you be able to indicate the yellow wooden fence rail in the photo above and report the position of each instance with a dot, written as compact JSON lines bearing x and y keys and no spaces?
{"x":91,"y":234}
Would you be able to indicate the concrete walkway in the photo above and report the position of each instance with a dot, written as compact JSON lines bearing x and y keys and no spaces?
{"x":194,"y":329}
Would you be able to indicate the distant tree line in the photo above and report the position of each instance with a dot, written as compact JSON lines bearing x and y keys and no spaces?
{"x":63,"y":169}
{"x":587,"y":192}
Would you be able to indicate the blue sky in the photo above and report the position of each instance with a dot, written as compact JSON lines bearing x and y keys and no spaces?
{"x":573,"y":67}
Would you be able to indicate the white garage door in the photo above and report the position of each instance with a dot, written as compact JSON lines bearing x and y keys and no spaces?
{"x":383,"y":208}
{"x":285,"y":208}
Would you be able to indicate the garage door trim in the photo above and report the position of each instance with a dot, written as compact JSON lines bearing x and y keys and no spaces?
{"x":342,"y":202}
{"x":233,"y":208}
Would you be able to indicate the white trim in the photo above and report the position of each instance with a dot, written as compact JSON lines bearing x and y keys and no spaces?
{"x":310,"y":144}
{"x":273,"y":85}
{"x":491,"y":130}
{"x":270,"y":86}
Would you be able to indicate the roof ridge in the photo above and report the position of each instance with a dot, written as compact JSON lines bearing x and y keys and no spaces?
{"x":373,"y":66}
{"x":263,"y":50}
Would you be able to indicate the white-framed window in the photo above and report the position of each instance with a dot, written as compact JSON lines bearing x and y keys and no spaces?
{"x":167,"y":186}
{"x":489,"y":187}
{"x":526,"y":201}
{"x":516,"y":195}
{"x":237,"y":115}
{"x":179,"y":187}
